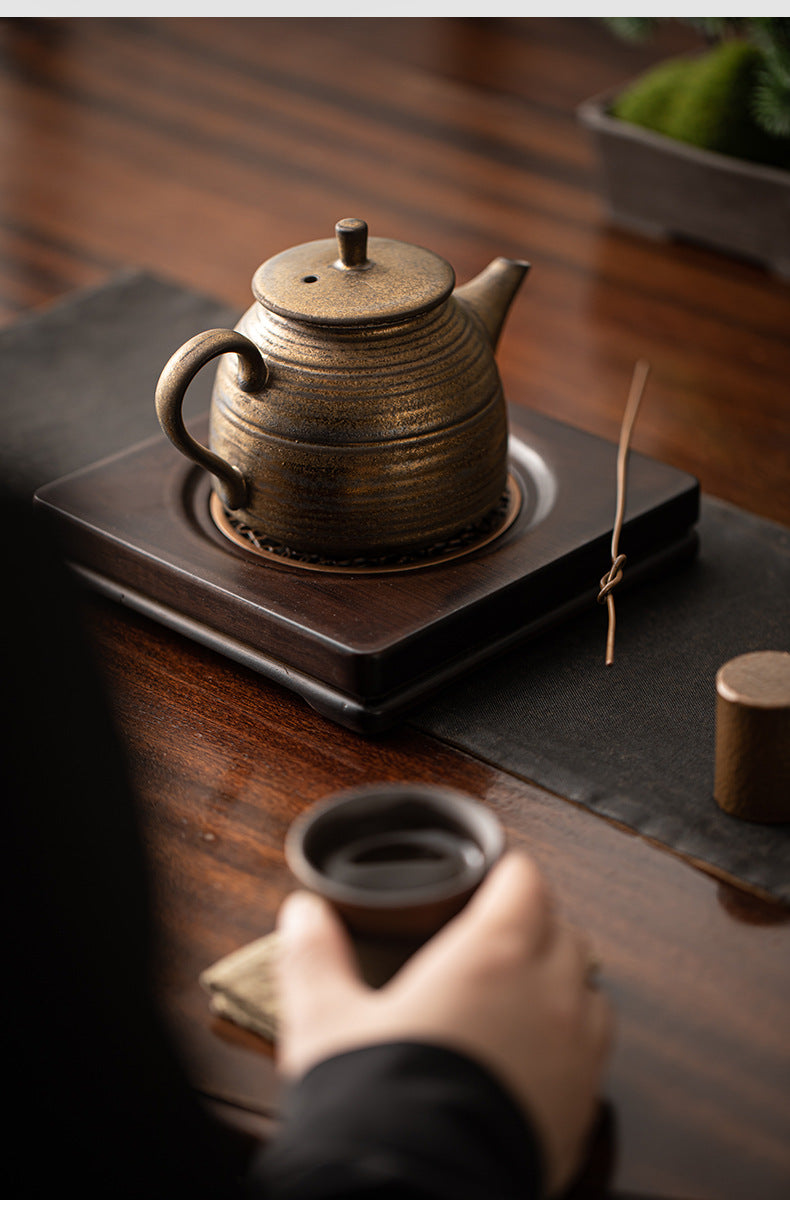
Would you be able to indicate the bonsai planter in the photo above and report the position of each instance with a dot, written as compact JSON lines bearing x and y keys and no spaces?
{"x":663,"y":188}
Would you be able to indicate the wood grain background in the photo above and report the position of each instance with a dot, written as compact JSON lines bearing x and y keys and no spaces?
{"x":197,"y":148}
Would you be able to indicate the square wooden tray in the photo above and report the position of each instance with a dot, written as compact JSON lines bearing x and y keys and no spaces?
{"x":363,"y":648}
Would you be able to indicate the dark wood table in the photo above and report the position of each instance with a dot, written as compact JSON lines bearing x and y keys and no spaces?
{"x":198,"y":147}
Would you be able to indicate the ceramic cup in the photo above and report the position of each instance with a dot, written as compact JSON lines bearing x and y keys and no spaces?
{"x":397,"y":861}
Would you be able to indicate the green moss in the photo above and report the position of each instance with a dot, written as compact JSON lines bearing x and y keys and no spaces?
{"x":649,"y":102}
{"x":706,"y":101}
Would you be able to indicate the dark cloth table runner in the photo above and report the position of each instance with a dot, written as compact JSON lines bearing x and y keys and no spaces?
{"x":633,"y":742}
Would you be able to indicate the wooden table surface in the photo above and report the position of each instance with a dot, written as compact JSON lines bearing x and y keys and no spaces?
{"x":197,"y":148}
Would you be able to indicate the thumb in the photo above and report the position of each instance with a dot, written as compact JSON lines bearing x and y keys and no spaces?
{"x":317,"y":972}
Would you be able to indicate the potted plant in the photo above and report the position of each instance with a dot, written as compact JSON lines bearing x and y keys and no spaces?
{"x":699,"y":147}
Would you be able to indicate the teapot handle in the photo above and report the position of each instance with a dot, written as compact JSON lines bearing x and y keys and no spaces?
{"x":172,"y":386}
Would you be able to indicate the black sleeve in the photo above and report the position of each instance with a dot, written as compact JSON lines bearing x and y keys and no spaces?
{"x":94,"y":1086}
{"x":402,"y":1120}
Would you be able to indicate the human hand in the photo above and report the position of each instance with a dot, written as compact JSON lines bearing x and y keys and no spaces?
{"x":504,"y":982}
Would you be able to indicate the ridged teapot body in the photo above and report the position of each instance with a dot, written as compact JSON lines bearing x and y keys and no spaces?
{"x":384,"y":440}
{"x":372,"y":426}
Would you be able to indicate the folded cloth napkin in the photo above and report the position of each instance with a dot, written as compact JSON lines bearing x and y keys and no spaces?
{"x":242,"y":986}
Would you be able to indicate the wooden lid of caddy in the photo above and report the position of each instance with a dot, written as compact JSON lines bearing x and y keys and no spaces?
{"x":753,"y":736}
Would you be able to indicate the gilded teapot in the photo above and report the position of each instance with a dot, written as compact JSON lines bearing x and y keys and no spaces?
{"x":357,"y":409}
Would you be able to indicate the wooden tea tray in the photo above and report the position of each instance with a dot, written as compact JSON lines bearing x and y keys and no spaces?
{"x":364,"y":647}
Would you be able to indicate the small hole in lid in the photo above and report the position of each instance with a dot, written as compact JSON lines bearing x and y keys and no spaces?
{"x":309,"y":280}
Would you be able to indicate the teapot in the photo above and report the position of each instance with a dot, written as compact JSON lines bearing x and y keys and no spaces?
{"x":357,"y":409}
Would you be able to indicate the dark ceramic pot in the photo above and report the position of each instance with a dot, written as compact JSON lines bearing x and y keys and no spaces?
{"x":663,"y":188}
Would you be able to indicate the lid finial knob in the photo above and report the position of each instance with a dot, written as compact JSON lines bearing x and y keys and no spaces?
{"x":352,"y":242}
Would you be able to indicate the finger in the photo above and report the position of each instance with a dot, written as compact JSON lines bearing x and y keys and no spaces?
{"x":510,"y":917}
{"x":572,"y":954}
{"x":601,"y":1025}
{"x":570,"y":965}
{"x":569,"y":962}
{"x":316,"y":964}
{"x":514,"y":898}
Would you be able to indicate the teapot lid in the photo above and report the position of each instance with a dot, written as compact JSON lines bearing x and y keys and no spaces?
{"x":353,"y":281}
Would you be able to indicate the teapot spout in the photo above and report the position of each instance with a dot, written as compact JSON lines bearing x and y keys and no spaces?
{"x":491,"y":293}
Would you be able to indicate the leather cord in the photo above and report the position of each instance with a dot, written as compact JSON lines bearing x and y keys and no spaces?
{"x":615,"y":574}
